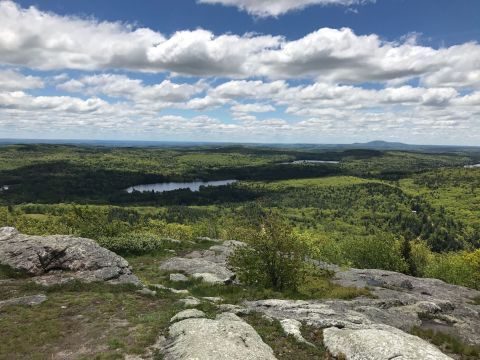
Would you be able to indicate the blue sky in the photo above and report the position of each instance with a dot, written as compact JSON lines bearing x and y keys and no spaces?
{"x":241,"y":70}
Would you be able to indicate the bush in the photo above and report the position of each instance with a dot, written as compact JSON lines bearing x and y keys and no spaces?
{"x":421,"y":256}
{"x":136,"y":243}
{"x":369,"y":252}
{"x":460,"y":268}
{"x":274,"y":257}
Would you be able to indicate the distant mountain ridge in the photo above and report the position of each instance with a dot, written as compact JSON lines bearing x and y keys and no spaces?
{"x":374,"y":145}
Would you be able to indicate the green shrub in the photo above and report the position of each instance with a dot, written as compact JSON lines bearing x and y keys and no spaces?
{"x":421,"y":256}
{"x":460,"y":268}
{"x":137,"y":243}
{"x":274,"y":257}
{"x":369,"y":252}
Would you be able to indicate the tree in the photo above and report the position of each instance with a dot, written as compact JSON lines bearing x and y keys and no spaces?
{"x":273,"y":258}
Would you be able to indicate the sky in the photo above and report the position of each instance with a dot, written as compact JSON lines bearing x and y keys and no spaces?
{"x":274,"y":71}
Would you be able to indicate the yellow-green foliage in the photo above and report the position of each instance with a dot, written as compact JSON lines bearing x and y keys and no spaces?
{"x":137,"y":243}
{"x":317,"y":182}
{"x":461,"y":268}
{"x":457,"y":190}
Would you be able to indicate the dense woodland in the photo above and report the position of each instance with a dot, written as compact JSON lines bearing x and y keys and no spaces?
{"x":413,"y":212}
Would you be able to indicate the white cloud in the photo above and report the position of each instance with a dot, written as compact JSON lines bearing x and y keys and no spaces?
{"x":21,"y":101}
{"x":14,"y":80}
{"x":256,"y":108}
{"x":46,"y":41}
{"x":264,"y":8}
{"x":200,"y":52}
{"x":254,"y":73}
{"x":121,"y":86}
{"x":248,"y":89}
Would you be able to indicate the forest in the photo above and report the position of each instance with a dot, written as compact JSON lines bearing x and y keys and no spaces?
{"x":409,"y":211}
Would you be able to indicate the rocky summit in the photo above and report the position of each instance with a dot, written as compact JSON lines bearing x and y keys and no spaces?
{"x":366,"y":328}
{"x":60,"y":258}
{"x":375,"y":327}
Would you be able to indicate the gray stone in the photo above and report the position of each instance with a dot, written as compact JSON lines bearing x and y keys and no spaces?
{"x":178,"y":277}
{"x":376,"y":344}
{"x":24,"y":300}
{"x":187,"y":314}
{"x":208,"y":239}
{"x":63,"y":258}
{"x":175,"y":291}
{"x":147,"y":291}
{"x":190,"y":301}
{"x":213,"y":299}
{"x":225,"y":338}
{"x":208,"y":265}
{"x":235,"y":309}
{"x":292,"y":327}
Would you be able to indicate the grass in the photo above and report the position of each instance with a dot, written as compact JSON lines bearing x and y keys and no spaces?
{"x":448,"y":343}
{"x":286,"y":347}
{"x":315,"y":286}
{"x":96,"y":320}
{"x":6,"y":272}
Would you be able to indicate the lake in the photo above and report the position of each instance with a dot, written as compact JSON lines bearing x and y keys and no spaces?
{"x":472,"y":166}
{"x":163,"y":187}
{"x":312,"y":162}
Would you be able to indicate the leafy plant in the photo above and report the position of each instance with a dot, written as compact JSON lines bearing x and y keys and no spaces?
{"x":273,"y":258}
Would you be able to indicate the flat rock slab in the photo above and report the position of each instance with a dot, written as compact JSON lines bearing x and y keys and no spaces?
{"x":62,"y":258}
{"x":178,"y":277}
{"x":374,"y":344}
{"x":187,"y":314}
{"x":405,"y":301}
{"x":190,"y":301}
{"x":400,"y":301}
{"x":225,"y":338}
{"x":24,"y":300}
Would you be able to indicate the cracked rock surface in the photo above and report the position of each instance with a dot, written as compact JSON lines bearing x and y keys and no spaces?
{"x":227,"y":337}
{"x":60,"y":258}
{"x":375,"y":344}
{"x":401,"y":301}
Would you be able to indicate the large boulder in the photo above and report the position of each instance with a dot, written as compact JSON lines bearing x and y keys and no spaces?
{"x":375,"y":344}
{"x":209,"y":265}
{"x":59,"y":258}
{"x":227,"y":337}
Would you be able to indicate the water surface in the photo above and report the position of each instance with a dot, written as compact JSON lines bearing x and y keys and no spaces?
{"x":163,"y":187}
{"x":312,"y":162}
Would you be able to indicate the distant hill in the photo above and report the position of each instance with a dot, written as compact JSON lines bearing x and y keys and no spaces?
{"x":371,"y":145}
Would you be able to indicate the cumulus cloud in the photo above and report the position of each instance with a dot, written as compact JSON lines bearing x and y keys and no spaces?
{"x":256,"y":108}
{"x":121,"y":86}
{"x":19,"y":100}
{"x":239,"y":77}
{"x":14,"y":80}
{"x":46,"y":41}
{"x":265,"y":8}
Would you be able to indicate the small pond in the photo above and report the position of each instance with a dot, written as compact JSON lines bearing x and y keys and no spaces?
{"x":312,"y":162}
{"x":163,"y":187}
